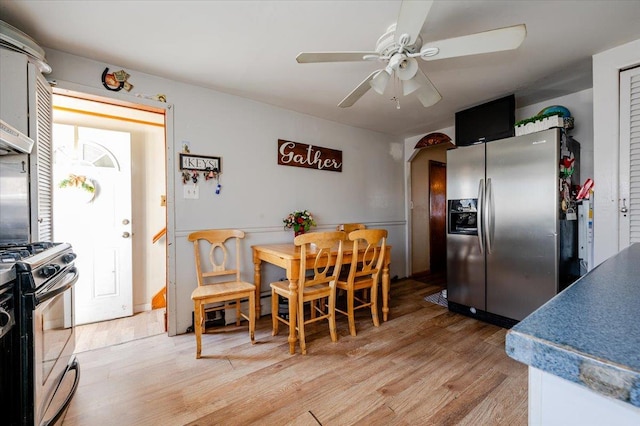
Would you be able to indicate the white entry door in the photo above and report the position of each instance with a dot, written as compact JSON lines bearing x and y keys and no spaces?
{"x":97,"y":223}
{"x":629,"y":203}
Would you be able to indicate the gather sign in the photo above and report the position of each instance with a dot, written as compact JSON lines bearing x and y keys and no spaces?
{"x":308,"y":156}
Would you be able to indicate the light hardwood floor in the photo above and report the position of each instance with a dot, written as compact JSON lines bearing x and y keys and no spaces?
{"x":425,"y":366}
{"x":114,"y":332}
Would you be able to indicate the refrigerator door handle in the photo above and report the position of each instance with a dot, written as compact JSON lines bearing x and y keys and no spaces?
{"x":488,"y":218}
{"x":479,"y":219}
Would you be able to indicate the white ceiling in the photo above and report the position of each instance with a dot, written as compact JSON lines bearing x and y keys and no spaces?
{"x":248,"y":48}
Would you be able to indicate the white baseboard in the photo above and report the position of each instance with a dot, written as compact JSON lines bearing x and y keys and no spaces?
{"x":141,"y":308}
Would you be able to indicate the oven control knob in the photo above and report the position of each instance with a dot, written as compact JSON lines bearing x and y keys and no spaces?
{"x":4,"y":317}
{"x":49,"y":270}
{"x":69,"y":257}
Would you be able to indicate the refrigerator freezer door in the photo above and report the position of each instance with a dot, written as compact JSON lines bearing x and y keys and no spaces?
{"x":465,"y":258}
{"x":522,"y":221}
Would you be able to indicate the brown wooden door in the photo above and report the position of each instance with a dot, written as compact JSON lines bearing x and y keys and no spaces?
{"x":437,"y":216}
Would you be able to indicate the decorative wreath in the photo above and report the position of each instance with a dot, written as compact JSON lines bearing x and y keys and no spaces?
{"x":85,"y":187}
{"x":78,"y":182}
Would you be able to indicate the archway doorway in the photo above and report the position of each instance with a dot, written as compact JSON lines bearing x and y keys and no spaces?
{"x":428,"y":205}
{"x":421,"y":206}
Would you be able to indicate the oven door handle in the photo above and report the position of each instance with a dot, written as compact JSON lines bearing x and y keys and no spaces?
{"x":74,"y":366}
{"x":65,"y":283}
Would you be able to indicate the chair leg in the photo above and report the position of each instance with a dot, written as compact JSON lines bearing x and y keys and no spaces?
{"x":252,"y":317}
{"x":332,"y":318}
{"x":238,"y":314}
{"x":312,"y":309}
{"x":374,"y":306}
{"x":303,"y":344}
{"x":197,"y":327}
{"x":350,"y":311}
{"x":274,"y":313}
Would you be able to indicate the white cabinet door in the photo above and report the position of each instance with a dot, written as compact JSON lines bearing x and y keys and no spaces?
{"x":629,"y":203}
{"x":13,"y":90}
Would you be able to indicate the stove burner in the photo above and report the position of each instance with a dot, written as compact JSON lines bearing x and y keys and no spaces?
{"x":31,"y":248}
{"x":13,"y":255}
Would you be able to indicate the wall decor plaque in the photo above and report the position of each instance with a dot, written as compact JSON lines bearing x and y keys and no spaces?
{"x":200,"y":162}
{"x":297,"y":154}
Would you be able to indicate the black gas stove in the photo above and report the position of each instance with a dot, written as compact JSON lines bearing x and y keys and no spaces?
{"x":39,"y":353}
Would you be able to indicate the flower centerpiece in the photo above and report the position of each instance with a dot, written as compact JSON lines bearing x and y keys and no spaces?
{"x":300,"y":220}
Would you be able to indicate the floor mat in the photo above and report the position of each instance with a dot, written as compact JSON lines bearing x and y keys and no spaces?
{"x":439,"y":298}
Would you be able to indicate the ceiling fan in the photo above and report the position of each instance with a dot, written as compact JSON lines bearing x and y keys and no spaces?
{"x":401,"y":44}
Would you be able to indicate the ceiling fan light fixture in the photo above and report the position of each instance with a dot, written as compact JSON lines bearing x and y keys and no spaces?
{"x":379,"y":82}
{"x":407,"y":69}
{"x":428,"y":97}
{"x":410,"y":86}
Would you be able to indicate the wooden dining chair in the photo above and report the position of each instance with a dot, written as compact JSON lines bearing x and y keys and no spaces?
{"x":349,"y":227}
{"x":319,"y":255}
{"x":364,"y":274}
{"x":219,"y":279}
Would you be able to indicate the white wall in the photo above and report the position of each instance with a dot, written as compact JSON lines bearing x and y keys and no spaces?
{"x":256,"y":192}
{"x":606,"y":70}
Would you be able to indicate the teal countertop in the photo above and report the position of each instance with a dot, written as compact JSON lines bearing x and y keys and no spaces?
{"x":589,"y":334}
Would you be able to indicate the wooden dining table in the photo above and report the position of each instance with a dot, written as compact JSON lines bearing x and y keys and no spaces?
{"x":287,"y":257}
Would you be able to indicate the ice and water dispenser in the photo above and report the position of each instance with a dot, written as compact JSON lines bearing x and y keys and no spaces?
{"x":463,"y":216}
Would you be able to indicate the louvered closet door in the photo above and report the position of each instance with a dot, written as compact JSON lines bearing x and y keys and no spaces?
{"x":40,"y":98}
{"x":629,"y":203}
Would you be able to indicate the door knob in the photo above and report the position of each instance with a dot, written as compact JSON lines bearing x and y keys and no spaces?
{"x":126,"y":235}
{"x":125,"y":222}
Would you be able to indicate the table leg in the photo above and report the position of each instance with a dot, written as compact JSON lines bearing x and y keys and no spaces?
{"x":385,"y":292}
{"x":257,"y":281}
{"x":293,"y":309}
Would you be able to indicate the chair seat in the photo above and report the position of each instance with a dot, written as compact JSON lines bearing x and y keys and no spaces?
{"x":282,"y":288}
{"x":222,"y":289}
{"x":358,"y":284}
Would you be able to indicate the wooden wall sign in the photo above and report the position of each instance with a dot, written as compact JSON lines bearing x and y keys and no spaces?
{"x":297,"y":154}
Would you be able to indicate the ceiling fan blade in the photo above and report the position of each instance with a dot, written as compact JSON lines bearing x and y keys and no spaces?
{"x":489,"y":41}
{"x":411,"y":18}
{"x":311,"y":57}
{"x":358,"y":92}
{"x":427,"y":94}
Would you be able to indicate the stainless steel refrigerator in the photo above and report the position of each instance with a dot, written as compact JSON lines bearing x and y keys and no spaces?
{"x":504,"y":226}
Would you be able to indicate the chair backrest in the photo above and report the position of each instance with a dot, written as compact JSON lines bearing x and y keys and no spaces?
{"x":221,"y":253}
{"x":327,"y":262}
{"x":350,"y":227}
{"x":374,"y":244}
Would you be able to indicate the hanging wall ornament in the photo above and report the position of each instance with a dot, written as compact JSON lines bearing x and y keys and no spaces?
{"x":81,"y":187}
{"x":116,"y":81}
